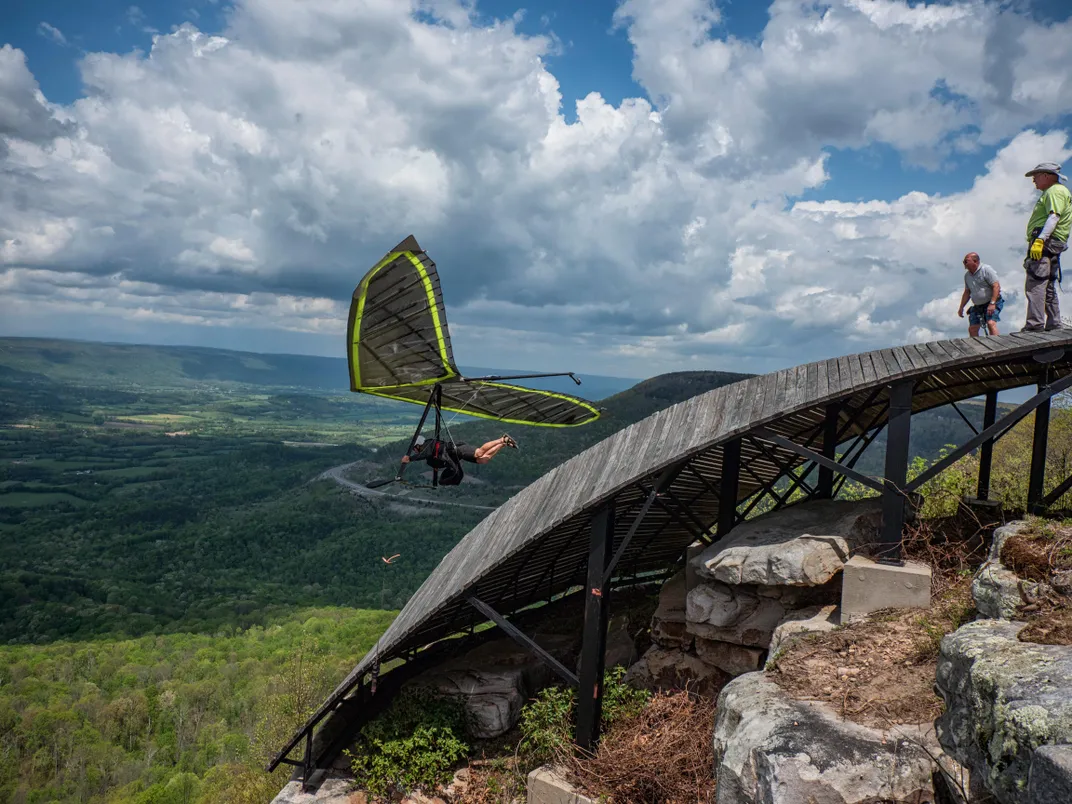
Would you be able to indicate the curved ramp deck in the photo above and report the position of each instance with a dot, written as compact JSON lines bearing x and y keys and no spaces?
{"x":536,"y":545}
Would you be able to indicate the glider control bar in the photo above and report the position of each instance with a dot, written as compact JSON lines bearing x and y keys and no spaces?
{"x":569,"y":374}
{"x":512,"y":631}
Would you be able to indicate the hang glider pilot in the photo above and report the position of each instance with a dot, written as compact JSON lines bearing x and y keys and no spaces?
{"x":447,"y":455}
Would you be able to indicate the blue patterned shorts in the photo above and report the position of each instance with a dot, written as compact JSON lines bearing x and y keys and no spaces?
{"x":977,"y":313}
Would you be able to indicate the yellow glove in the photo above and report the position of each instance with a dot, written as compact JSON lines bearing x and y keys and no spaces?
{"x":1035,"y":252}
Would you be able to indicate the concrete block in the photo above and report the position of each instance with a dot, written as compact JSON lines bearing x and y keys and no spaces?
{"x":547,"y":786}
{"x":869,"y":586}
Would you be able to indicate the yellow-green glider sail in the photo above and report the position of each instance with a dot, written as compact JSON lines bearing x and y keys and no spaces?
{"x":399,"y":348}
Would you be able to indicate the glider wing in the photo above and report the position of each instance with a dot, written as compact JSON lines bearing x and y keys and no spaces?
{"x":397,"y":333}
{"x":502,"y":402}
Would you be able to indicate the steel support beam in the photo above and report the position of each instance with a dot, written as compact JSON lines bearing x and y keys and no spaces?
{"x":1039,"y":443}
{"x":1058,"y":492}
{"x":994,"y":431}
{"x":594,"y":643}
{"x":825,"y":489}
{"x":307,"y":762}
{"x":662,"y":483}
{"x":525,"y":641}
{"x":840,"y":468}
{"x":728,"y":486}
{"x":986,"y":451}
{"x":899,"y":429}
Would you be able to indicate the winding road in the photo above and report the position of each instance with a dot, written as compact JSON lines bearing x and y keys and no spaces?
{"x":337,"y":473}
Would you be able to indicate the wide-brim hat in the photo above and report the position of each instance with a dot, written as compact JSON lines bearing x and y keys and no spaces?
{"x":1047,"y":167}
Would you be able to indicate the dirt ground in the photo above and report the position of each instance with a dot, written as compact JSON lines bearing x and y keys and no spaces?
{"x":879,"y":672}
{"x":1044,"y":554}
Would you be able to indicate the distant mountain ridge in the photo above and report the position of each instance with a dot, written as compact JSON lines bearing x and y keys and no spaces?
{"x":153,"y":366}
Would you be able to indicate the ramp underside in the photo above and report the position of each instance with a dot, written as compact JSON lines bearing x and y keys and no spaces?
{"x":535,"y":545}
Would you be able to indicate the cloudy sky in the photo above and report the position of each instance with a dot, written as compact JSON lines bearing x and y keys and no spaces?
{"x":626,"y":189}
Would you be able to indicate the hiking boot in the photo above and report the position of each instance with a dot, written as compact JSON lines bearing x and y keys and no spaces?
{"x":509,"y":441}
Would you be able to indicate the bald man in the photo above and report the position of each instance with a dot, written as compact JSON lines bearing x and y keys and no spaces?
{"x":982,"y":287}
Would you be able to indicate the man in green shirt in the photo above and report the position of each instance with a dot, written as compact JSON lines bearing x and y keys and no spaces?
{"x":1047,"y":237}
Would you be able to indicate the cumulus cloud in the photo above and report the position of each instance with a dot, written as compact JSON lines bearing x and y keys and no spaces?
{"x":276,"y":160}
{"x":24,"y":113}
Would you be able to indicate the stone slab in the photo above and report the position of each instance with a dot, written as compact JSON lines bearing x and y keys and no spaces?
{"x":547,"y":786}
{"x":801,"y":545}
{"x":868,"y":586}
{"x":800,"y":623}
{"x":733,"y":659}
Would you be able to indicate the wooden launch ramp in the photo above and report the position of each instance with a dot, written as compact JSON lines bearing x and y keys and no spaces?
{"x":624,"y":511}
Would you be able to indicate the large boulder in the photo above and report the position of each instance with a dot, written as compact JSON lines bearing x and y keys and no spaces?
{"x":674,"y":669}
{"x":332,"y":791}
{"x":802,"y":545}
{"x":494,"y":680}
{"x":772,"y":749}
{"x":1003,"y":699}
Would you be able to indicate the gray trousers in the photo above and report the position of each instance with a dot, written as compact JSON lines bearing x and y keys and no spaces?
{"x":1043,"y":308}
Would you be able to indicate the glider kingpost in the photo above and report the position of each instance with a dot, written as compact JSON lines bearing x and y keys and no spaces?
{"x":398,"y":347}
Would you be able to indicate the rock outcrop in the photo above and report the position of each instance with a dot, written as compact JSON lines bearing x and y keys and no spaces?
{"x":771,"y":749}
{"x":996,"y":588}
{"x":1004,"y":698}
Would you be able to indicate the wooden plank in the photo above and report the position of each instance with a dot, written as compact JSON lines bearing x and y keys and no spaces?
{"x":901,"y":356}
{"x":822,"y":381}
{"x":848,"y":380}
{"x":893,"y":368}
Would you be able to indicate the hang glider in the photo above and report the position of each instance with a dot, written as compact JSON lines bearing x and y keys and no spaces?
{"x":398,"y":347}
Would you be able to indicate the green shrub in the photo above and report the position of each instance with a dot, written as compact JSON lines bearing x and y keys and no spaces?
{"x":547,"y":723}
{"x":413,"y":745}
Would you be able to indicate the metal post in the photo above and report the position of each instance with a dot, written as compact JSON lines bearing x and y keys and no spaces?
{"x":986,"y":451}
{"x":307,"y":762}
{"x":727,"y":490}
{"x":594,"y":641}
{"x":1035,"y":504}
{"x":899,"y":429}
{"x":825,"y":490}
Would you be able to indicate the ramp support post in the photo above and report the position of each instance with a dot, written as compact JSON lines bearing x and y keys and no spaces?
{"x":825,"y":489}
{"x":986,"y":451}
{"x":1035,"y":502}
{"x":727,"y":491}
{"x":594,"y":642}
{"x":899,"y":429}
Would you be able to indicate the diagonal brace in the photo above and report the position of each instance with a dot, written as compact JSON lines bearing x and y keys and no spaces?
{"x":994,"y":431}
{"x":525,"y":641}
{"x":822,"y":460}
{"x":664,"y":480}
{"x":1056,"y":494}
